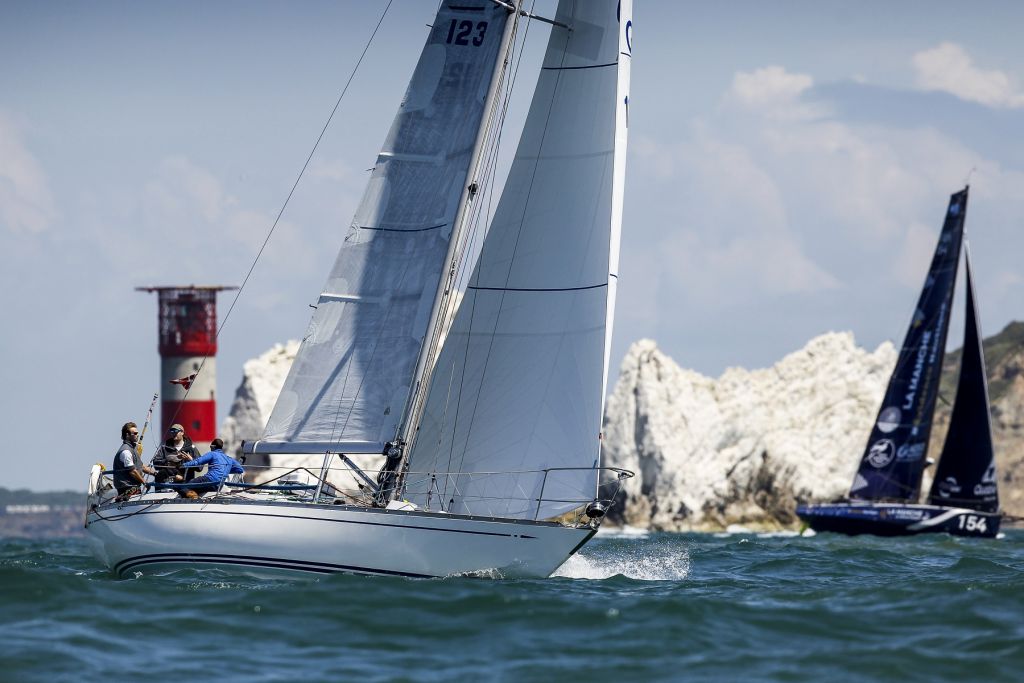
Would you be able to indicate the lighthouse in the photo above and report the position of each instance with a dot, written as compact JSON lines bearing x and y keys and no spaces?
{"x":187,"y":318}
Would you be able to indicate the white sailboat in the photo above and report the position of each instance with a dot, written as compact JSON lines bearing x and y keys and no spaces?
{"x":470,"y":359}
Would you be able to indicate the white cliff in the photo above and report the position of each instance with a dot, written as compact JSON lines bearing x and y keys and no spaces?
{"x":262,"y":379}
{"x":741,"y":448}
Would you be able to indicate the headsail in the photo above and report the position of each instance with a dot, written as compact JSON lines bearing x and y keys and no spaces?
{"x":894,"y":459}
{"x":966,"y":475}
{"x":350,"y":380}
{"x":519,"y":384}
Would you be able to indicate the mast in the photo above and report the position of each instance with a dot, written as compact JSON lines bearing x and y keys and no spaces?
{"x":439,"y":314}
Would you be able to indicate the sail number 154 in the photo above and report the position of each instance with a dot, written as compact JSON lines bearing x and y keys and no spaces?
{"x":973,"y":523}
{"x":466,"y":32}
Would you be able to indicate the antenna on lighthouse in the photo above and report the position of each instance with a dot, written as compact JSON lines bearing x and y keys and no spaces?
{"x":187,"y":318}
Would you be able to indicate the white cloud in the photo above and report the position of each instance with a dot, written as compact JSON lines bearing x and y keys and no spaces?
{"x":774,"y":92}
{"x":769,"y":84}
{"x":776,"y":195}
{"x":26,"y":204}
{"x":948,"y":68}
{"x":180,"y":185}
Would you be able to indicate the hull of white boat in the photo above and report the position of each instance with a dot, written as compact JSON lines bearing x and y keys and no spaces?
{"x":898,"y":519}
{"x":275,"y":537}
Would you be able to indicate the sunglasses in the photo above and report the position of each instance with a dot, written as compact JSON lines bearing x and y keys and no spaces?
{"x":133,"y":433}
{"x":174,"y":431}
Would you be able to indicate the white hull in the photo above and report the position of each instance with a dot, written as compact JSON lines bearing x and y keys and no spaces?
{"x":271,"y":537}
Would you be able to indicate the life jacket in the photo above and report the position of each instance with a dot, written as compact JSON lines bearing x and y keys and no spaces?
{"x":122,"y":478}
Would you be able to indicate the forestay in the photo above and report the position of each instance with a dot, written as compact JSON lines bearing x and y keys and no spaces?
{"x":348,"y":385}
{"x":519,"y":385}
{"x":966,"y":474}
{"x":895,"y":455}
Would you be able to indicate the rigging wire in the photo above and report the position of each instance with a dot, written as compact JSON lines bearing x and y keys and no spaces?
{"x":280,"y":213}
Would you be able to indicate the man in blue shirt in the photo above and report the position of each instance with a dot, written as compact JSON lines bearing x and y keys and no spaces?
{"x":220,"y":466}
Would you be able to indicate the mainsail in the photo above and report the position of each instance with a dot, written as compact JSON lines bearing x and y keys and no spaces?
{"x":966,"y":474}
{"x":348,"y":386}
{"x":894,"y":459}
{"x":514,"y":406}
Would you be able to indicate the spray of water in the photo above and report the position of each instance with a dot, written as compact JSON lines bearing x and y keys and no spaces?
{"x":662,"y":562}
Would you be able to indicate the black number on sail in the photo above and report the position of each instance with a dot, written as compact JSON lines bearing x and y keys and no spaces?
{"x":465,"y":29}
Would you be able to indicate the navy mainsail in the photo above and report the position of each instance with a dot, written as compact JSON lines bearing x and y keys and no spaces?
{"x":894,"y":458}
{"x":966,"y":475}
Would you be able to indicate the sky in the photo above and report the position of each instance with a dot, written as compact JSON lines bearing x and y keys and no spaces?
{"x":788,"y":169}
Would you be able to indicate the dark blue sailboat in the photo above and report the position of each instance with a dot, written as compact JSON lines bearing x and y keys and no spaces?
{"x":963,"y":500}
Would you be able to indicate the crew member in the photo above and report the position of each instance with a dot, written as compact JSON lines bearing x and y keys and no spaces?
{"x":171,"y":455}
{"x":220,"y":466}
{"x":128,"y":468}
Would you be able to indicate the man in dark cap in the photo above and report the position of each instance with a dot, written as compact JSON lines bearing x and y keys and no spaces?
{"x":170,"y":457}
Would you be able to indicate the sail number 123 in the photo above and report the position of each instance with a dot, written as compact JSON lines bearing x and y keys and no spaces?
{"x":466,"y":32}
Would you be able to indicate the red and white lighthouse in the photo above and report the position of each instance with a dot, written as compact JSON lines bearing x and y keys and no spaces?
{"x":188,"y":347}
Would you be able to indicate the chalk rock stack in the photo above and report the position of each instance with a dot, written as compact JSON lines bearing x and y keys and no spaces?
{"x":742,"y":448}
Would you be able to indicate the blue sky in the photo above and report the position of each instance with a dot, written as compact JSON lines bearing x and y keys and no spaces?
{"x":789,"y":166}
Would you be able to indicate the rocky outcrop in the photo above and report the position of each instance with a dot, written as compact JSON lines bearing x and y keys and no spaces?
{"x":741,"y":448}
{"x":262,"y":379}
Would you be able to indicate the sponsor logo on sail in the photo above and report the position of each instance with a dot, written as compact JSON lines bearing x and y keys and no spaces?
{"x":889,"y":419}
{"x":954,"y":209}
{"x":915,"y":377}
{"x":987,"y":487}
{"x":881,"y":453}
{"x":948,"y":487}
{"x":910,"y":451}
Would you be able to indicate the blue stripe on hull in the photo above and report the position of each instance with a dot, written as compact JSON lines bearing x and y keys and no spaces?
{"x":126,"y":565}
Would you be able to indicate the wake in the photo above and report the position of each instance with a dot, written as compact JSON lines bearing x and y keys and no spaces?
{"x":663,"y":562}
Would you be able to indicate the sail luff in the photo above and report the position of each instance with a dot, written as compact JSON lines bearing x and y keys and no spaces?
{"x":436,"y":327}
{"x":618,"y":194}
{"x":895,"y":455}
{"x":966,"y":475}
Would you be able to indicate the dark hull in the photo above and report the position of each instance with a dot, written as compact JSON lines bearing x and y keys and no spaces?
{"x":896,"y":519}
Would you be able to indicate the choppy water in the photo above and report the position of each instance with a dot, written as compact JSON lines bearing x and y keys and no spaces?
{"x":663,"y":607}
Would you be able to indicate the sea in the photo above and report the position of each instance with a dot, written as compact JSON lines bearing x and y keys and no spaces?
{"x":630,"y":606}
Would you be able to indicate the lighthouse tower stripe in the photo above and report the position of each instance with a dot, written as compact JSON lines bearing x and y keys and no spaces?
{"x":197,"y":413}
